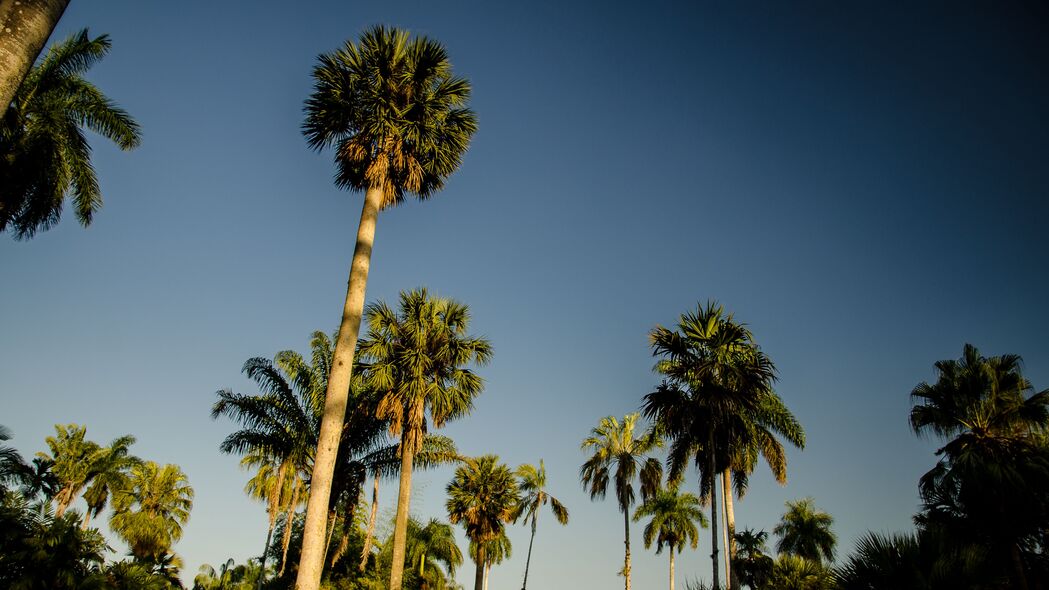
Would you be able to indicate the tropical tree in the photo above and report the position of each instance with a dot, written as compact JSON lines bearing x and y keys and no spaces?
{"x":150,"y":513}
{"x":398,"y":120}
{"x":44,"y":154}
{"x":12,"y":467}
{"x":27,"y":25}
{"x":416,"y":359}
{"x":752,"y":565}
{"x":674,"y":516}
{"x":719,"y":410}
{"x":805,"y":531}
{"x":71,"y":459}
{"x":534,"y":497}
{"x":496,"y":550}
{"x":792,"y":572}
{"x":615,"y":445}
{"x":432,"y":544}
{"x":482,"y":495}
{"x":109,"y":471}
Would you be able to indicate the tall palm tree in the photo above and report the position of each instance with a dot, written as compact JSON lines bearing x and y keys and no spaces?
{"x":482,"y":495}
{"x":719,"y":410}
{"x":534,"y":497}
{"x":398,"y":120}
{"x":27,"y":25}
{"x":805,"y":531}
{"x":496,"y":551}
{"x":416,"y":359}
{"x":616,"y":446}
{"x":674,"y":516}
{"x":150,"y":513}
{"x":44,"y":154}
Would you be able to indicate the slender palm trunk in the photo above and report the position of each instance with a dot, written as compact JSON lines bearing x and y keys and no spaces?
{"x":25,"y":26}
{"x":671,"y":568}
{"x":287,"y":527}
{"x":265,"y":550}
{"x":730,"y":530}
{"x":400,"y":527}
{"x":482,"y":557}
{"x":371,"y":526}
{"x":714,"y":516}
{"x":528,"y":560}
{"x":312,"y":561}
{"x":626,"y":560}
{"x":86,"y":520}
{"x":332,"y":515}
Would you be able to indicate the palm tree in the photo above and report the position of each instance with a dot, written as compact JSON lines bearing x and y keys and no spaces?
{"x":110,"y":470}
{"x":415,"y":358}
{"x":28,"y":24}
{"x":615,"y":445}
{"x":431,"y":544}
{"x":12,"y":467}
{"x":495,"y":552}
{"x":397,"y":117}
{"x":44,"y":153}
{"x":674,"y":516}
{"x":482,"y":495}
{"x":535,"y":496}
{"x":752,"y":565}
{"x":718,"y":408}
{"x":805,"y":531}
{"x":149,"y":514}
{"x":71,"y":459}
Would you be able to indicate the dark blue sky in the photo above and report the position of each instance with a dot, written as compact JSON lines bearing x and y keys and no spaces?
{"x":866,"y":186}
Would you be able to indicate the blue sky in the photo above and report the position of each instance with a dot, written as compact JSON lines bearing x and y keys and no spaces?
{"x":865,"y":186}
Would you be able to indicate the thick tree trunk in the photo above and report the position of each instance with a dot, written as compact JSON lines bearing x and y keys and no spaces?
{"x":626,"y":560}
{"x":25,"y":26}
{"x":482,"y":557}
{"x":528,"y":560}
{"x":311,"y":563}
{"x":730,"y":530}
{"x":671,"y":552}
{"x":400,"y":527}
{"x":714,"y":519}
{"x":371,"y":527}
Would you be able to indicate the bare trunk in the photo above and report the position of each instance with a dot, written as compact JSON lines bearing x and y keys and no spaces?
{"x":287,"y":528}
{"x":482,"y":557}
{"x":311,"y":563}
{"x":371,"y":526}
{"x":25,"y":26}
{"x":626,"y":560}
{"x":730,"y":530}
{"x":528,"y":560}
{"x":671,"y":568}
{"x":487,"y":574}
{"x":400,"y":527}
{"x":714,"y":517}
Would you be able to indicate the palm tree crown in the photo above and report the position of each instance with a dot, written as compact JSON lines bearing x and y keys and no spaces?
{"x":482,"y":495}
{"x":534,"y":497}
{"x":673,"y":521}
{"x":149,"y":514}
{"x":805,"y":531}
{"x":44,"y":154}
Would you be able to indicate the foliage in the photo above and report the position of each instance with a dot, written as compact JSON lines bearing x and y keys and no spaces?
{"x":791,"y":572}
{"x":483,"y":496}
{"x":752,"y":565}
{"x":149,"y":514}
{"x":674,"y":516}
{"x":44,"y":154}
{"x":805,"y":531}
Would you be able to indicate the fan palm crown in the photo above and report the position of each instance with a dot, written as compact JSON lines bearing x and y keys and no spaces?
{"x":483,"y":496}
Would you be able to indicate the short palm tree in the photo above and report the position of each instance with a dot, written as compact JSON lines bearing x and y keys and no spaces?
{"x":431,"y":544}
{"x":150,"y":513}
{"x":44,"y":154}
{"x":674,"y":516}
{"x":616,"y":446}
{"x":534,"y":497}
{"x":482,"y":495}
{"x":805,"y":531}
{"x":398,"y":120}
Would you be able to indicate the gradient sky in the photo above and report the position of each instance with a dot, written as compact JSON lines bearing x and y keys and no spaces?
{"x":865,"y":186}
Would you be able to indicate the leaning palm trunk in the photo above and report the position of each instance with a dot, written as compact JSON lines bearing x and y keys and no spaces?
{"x":528,"y":560}
{"x":25,"y":26}
{"x":312,"y":561}
{"x":626,"y":560}
{"x":400,"y":527}
{"x":371,"y":526}
{"x":730,"y":530}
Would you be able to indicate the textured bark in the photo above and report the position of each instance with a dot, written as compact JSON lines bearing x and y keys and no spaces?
{"x":371,"y":527}
{"x":400,"y":528}
{"x":730,"y":530}
{"x":25,"y":26}
{"x":528,"y":560}
{"x":311,"y":563}
{"x":626,"y":561}
{"x":482,"y":557}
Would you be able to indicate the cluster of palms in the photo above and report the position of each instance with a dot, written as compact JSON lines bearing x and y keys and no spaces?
{"x":149,"y":505}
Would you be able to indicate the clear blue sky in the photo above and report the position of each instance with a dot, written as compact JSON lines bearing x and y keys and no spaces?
{"x":865,"y":186}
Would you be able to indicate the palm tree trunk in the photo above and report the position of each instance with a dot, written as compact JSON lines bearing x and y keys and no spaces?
{"x":332,"y":515}
{"x":528,"y":560}
{"x":265,"y":550}
{"x":487,"y":574}
{"x":312,"y":561}
{"x":482,"y":557}
{"x":671,"y":568}
{"x":371,"y":526}
{"x":730,"y":529}
{"x":626,"y":561}
{"x":714,"y":516}
{"x":400,"y":527}
{"x":25,"y":26}
{"x":287,"y":527}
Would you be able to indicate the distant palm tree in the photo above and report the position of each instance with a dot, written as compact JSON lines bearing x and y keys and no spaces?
{"x":416,"y":359}
{"x":150,"y":513}
{"x":431,"y":544}
{"x":674,"y":516}
{"x":535,"y":496}
{"x":496,"y":551}
{"x":805,"y":531}
{"x":482,"y":495}
{"x":71,"y":458}
{"x":616,"y":446}
{"x":34,"y":21}
{"x":398,"y":119}
{"x":44,"y":154}
{"x":752,"y":565}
